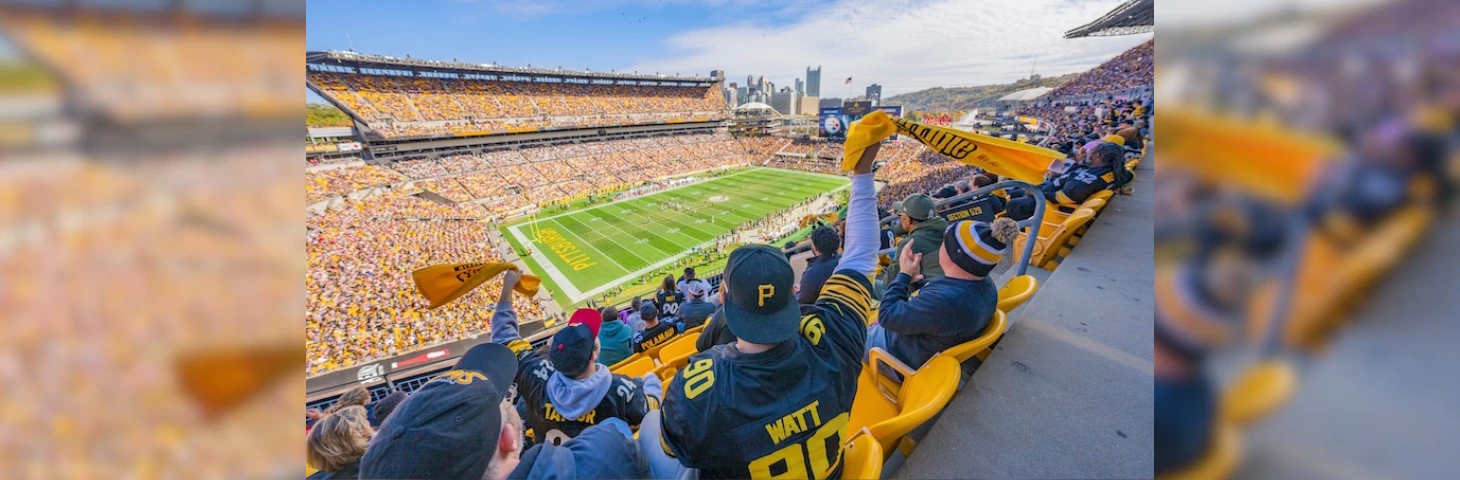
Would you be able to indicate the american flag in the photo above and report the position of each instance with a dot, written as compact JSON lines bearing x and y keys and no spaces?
{"x":848,"y":82}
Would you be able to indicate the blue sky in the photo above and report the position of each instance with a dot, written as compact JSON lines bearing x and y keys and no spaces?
{"x":904,"y":45}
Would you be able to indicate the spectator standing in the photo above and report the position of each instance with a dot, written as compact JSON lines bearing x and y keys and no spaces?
{"x":685,"y":281}
{"x":655,"y":332}
{"x":826,"y":246}
{"x":714,"y":418}
{"x":614,"y":337}
{"x":337,"y":442}
{"x":667,"y":299}
{"x":569,"y":390}
{"x":696,"y":311}
{"x":950,"y":309}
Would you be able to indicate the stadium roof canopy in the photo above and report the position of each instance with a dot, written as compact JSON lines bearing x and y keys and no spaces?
{"x":389,"y":63}
{"x":1025,"y":94}
{"x":756,"y":106}
{"x":1131,"y":17}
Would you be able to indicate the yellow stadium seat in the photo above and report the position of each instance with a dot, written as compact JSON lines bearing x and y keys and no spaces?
{"x":1219,"y":462}
{"x":966,"y":350}
{"x":665,"y":372}
{"x":1258,"y":392}
{"x":636,"y":366}
{"x":653,"y":353}
{"x":1016,"y":292}
{"x":1093,"y":203}
{"x":695,"y":331}
{"x":890,"y":416}
{"x":862,"y":458}
{"x":1047,"y":247}
{"x":308,"y":470}
{"x":676,"y":354}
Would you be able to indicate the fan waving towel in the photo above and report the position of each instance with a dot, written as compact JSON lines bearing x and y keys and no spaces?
{"x":443,"y":283}
{"x":1005,"y":158}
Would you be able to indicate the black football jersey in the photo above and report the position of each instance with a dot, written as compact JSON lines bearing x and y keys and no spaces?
{"x":779,"y":413}
{"x":668,"y":304}
{"x":652,"y":337}
{"x":625,"y":399}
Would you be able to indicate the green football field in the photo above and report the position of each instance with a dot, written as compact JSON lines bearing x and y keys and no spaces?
{"x":582,"y":253}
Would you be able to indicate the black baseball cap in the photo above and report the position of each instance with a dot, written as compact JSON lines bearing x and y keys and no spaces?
{"x":571,"y":350}
{"x":448,"y":428}
{"x":759,"y":305}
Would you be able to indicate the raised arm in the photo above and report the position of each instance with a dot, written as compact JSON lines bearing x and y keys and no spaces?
{"x":861,"y":230}
{"x":504,"y":320}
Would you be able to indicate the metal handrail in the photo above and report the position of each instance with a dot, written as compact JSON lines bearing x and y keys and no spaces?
{"x":1033,"y":222}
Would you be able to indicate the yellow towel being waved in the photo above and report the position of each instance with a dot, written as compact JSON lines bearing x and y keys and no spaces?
{"x":1005,"y":158}
{"x":443,"y":283}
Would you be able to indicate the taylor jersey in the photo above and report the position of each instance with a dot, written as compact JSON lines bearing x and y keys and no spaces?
{"x":779,"y":413}
{"x":625,"y":399}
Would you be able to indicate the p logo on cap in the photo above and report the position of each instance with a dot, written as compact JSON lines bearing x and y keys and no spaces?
{"x":766,"y":291}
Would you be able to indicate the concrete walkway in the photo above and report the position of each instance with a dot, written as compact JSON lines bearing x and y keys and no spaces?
{"x":1380,"y":403}
{"x":1068,"y":391}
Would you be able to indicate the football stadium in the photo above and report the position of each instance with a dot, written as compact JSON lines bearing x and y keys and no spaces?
{"x":586,"y":251}
{"x":631,"y":198}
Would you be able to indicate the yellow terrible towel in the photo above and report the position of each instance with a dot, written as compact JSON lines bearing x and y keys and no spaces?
{"x":443,"y":283}
{"x":1005,"y":158}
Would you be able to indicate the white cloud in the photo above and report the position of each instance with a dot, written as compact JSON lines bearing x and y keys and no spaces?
{"x":904,"y":45}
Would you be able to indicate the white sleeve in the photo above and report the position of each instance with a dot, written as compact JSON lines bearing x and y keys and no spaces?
{"x":862,"y":241}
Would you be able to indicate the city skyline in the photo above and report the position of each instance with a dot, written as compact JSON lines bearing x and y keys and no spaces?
{"x":779,"y":42}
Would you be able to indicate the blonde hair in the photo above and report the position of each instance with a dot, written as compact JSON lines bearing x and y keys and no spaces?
{"x":358,"y":396}
{"x":338,"y":439}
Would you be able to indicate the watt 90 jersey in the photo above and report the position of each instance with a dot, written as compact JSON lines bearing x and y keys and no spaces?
{"x":780,"y":413}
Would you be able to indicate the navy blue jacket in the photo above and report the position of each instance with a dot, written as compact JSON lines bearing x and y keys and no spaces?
{"x":818,"y":269}
{"x":605,"y":450}
{"x":945,"y":312}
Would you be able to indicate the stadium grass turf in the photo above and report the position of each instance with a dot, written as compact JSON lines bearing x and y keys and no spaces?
{"x":615,"y":243}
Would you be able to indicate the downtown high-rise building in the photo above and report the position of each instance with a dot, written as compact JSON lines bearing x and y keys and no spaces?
{"x":874,"y":94}
{"x":813,"y":81}
{"x":800,"y":86}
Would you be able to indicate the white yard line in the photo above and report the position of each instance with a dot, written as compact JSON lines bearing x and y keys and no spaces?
{"x":547,"y":266}
{"x":575,"y":295}
{"x":670,"y":189}
{"x":569,"y":231}
{"x":626,"y":233}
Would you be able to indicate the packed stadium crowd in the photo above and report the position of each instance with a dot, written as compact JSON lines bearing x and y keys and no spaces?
{"x":582,"y":431}
{"x":508,"y":180}
{"x":814,"y":165}
{"x":374,"y":312}
{"x":1132,"y":68}
{"x":759,"y":147}
{"x":319,"y":185}
{"x":361,"y":303}
{"x":312,"y":160}
{"x":439,"y":106}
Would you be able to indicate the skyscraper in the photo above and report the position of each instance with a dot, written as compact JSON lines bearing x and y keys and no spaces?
{"x":800,"y":86}
{"x":874,"y":94}
{"x":813,"y":81}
